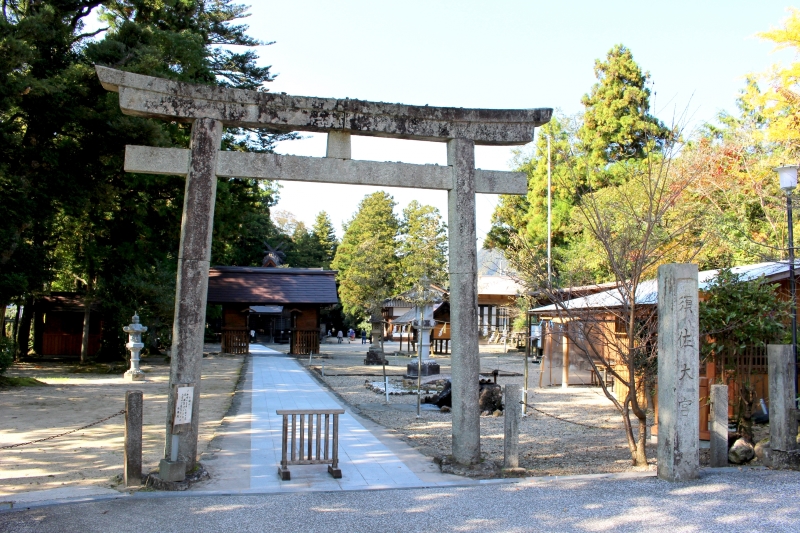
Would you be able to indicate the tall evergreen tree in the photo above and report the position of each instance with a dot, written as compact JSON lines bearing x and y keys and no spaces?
{"x":617,"y":123}
{"x":73,"y":212}
{"x":366,"y":260}
{"x":423,"y":247}
{"x":325,"y":237}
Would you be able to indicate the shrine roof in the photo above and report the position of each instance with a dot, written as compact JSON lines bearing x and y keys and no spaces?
{"x":271,"y":286}
{"x":69,"y":302}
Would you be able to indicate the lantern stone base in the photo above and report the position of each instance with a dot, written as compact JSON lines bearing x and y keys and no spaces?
{"x":429,"y":368}
{"x":134,"y":375}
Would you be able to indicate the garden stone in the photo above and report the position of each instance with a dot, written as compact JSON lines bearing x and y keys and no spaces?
{"x":764,"y":452}
{"x":741,"y":452}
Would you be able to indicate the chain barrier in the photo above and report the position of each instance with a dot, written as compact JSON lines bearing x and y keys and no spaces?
{"x":564,"y":419}
{"x":122,"y":412}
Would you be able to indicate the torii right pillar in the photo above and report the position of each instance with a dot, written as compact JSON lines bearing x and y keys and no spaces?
{"x":464,"y":301}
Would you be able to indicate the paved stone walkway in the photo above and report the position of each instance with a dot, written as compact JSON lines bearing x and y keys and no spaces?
{"x":279,"y":382}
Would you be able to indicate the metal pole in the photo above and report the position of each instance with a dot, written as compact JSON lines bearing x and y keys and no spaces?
{"x":549,"y":217}
{"x":792,"y":288}
{"x":527,"y":355}
{"x":385,"y":380}
{"x":419,"y":362}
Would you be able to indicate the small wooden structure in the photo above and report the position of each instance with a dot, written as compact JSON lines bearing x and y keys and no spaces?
{"x":318,"y":444}
{"x":58,"y":325}
{"x":279,"y":304}
{"x":594,"y":324}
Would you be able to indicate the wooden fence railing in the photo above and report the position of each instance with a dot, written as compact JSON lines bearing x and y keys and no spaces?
{"x":304,"y":342}
{"x":68,"y":343}
{"x":235,"y":340}
{"x":322,"y":437}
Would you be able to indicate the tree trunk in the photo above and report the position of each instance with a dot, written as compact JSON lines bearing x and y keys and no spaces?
{"x":24,"y":332}
{"x":15,"y":328}
{"x":38,"y":332}
{"x":746,"y":401}
{"x":87,"y":317}
{"x":640,"y":458}
{"x":152,"y":339}
{"x":3,"y":333}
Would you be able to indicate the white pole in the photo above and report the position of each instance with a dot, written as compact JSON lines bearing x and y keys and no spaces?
{"x":549,"y":215}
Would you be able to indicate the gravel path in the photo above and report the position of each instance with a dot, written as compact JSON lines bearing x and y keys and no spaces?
{"x":548,"y":446}
{"x":727,"y":501}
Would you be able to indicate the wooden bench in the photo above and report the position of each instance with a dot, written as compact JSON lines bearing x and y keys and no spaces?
{"x":326,"y":446}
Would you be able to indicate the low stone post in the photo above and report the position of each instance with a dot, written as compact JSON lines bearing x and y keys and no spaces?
{"x":782,"y":407}
{"x":719,"y":425}
{"x":511,"y":422}
{"x":678,"y":373}
{"x":132,"y":474}
{"x":135,"y":345}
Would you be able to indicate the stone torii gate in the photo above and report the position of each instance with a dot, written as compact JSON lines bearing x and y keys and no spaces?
{"x":211,"y":108}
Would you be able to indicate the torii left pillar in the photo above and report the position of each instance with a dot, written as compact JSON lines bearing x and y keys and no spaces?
{"x":194,"y":259}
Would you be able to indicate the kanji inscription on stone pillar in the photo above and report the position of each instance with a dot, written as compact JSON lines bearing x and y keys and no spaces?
{"x":678,"y":373}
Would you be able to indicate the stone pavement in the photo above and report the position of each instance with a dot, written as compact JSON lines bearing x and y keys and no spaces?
{"x":279,"y":382}
{"x":245,"y":455}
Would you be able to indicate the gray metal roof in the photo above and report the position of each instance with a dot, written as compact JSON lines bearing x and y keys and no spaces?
{"x":647,"y":291}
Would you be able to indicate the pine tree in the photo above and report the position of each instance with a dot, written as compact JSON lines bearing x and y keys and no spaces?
{"x":366,"y":260}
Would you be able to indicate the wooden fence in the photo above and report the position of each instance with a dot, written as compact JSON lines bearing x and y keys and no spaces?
{"x":298,"y":447}
{"x":304,"y":342}
{"x":235,"y":340}
{"x":68,"y":343}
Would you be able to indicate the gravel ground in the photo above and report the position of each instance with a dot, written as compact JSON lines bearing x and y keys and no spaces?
{"x":726,"y":501}
{"x":94,"y":456}
{"x":548,"y":446}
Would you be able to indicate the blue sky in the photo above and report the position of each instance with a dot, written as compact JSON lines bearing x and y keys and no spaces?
{"x":498,"y":54}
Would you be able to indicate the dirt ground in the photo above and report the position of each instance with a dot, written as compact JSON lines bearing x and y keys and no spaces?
{"x":70,"y":400}
{"x":586,"y":437}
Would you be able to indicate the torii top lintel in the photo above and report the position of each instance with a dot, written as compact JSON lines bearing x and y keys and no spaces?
{"x":160,"y":98}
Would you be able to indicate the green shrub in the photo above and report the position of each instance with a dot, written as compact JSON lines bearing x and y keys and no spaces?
{"x":6,"y":354}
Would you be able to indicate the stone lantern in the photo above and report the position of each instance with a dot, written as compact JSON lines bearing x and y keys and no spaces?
{"x":135,"y":345}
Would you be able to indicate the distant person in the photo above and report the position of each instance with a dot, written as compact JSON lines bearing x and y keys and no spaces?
{"x":363,"y":336}
{"x":351,"y":335}
{"x":339,"y":337}
{"x":252,"y":335}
